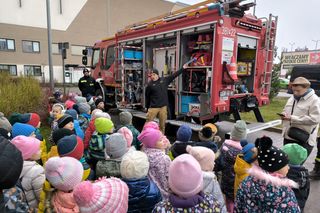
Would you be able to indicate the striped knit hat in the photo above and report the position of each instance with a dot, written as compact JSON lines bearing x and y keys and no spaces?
{"x":104,"y":195}
{"x":64,"y":173}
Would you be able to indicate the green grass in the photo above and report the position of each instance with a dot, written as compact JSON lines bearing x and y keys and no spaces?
{"x":269,"y":112}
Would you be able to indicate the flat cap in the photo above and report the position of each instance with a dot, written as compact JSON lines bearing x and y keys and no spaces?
{"x":301,"y":81}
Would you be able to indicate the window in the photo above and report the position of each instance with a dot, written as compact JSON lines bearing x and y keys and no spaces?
{"x":110,"y":57}
{"x":11,"y":69}
{"x":55,"y":49}
{"x":31,"y":46}
{"x":30,"y":70}
{"x":95,"y":57}
{"x":7,"y":44}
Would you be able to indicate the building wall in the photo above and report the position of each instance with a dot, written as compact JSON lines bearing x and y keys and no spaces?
{"x":82,"y":22}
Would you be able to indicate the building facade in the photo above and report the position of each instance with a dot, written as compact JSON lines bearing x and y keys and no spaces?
{"x":23,"y":31}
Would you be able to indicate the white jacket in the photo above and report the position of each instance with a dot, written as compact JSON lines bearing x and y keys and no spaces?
{"x":306,"y":115}
{"x":212,"y":186}
{"x":33,"y":178}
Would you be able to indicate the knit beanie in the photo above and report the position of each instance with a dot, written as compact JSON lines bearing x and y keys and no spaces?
{"x":18,"y":117}
{"x":64,"y":120}
{"x":184,"y":133}
{"x":73,"y":113}
{"x":116,"y":146}
{"x":102,"y":115}
{"x":4,"y":133}
{"x":103,"y":125}
{"x":28,"y":146}
{"x":125,"y":118}
{"x":84,"y":108}
{"x":4,"y":122}
{"x":203,"y":155}
{"x":104,"y":195}
{"x":248,"y":151}
{"x":151,"y":124}
{"x":296,"y":153}
{"x":63,"y":173}
{"x":71,"y":146}
{"x":206,"y":134}
{"x":93,"y":113}
{"x":69,"y":104}
{"x":80,"y":99}
{"x":185,"y":176}
{"x":98,"y":101}
{"x":22,"y":129}
{"x":149,"y":137}
{"x":34,"y":119}
{"x":11,"y":164}
{"x":270,"y":158}
{"x":134,"y":165}
{"x":239,"y":130}
{"x":127,"y":134}
{"x":60,"y":133}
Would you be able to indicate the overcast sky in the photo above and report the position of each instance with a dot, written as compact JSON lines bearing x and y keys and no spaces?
{"x":299,"y":21}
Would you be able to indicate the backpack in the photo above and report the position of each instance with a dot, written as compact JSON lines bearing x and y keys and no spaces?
{"x":15,"y":199}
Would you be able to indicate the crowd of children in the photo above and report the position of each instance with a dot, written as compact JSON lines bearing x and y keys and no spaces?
{"x":89,"y":164}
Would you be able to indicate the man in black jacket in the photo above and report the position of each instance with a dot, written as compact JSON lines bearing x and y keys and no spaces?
{"x":157,"y":96}
{"x":87,"y":84}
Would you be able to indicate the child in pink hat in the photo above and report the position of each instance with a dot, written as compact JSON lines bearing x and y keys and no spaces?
{"x":64,"y":174}
{"x":154,"y":146}
{"x":127,"y":134}
{"x":186,"y":183}
{"x":206,"y":157}
{"x":32,"y":176}
{"x":104,"y":195}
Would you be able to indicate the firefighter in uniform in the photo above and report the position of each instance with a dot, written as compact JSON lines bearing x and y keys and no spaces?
{"x":157,"y":96}
{"x":87,"y":84}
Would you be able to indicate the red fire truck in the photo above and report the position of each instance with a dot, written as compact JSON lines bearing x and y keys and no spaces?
{"x":231,"y":73}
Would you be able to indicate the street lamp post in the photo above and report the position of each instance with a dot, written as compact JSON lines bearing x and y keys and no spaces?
{"x":291,"y":44}
{"x":316,"y":41}
{"x":49,"y":45}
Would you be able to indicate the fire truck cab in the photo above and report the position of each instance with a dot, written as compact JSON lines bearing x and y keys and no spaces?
{"x":231,"y":73}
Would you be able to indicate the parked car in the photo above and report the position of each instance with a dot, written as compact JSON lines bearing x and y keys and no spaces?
{"x":310,"y":72}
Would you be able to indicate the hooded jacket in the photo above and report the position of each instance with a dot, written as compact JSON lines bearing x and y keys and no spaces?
{"x":241,"y":168}
{"x":33,"y":177}
{"x":143,"y":195}
{"x":159,"y":169}
{"x":264,"y":192}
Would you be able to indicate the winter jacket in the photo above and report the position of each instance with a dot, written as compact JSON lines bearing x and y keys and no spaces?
{"x":264,"y":192}
{"x":143,"y":195}
{"x":300,"y":175}
{"x":306,"y":115}
{"x":88,"y":133}
{"x":229,"y":151}
{"x":108,"y":168}
{"x":33,"y":177}
{"x":159,"y":169}
{"x":53,"y":152}
{"x":157,"y":91}
{"x":97,"y":146}
{"x":77,"y":129}
{"x":84,"y":120}
{"x":241,"y":168}
{"x":211,"y":186}
{"x":200,"y":203}
{"x":64,"y":202}
{"x":135,"y":142}
{"x":87,"y":86}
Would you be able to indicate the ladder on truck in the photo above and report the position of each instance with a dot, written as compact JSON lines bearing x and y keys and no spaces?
{"x":271,"y":32}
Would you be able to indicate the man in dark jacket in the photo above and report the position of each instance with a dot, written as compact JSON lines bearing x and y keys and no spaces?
{"x":157,"y":96}
{"x":87,"y":84}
